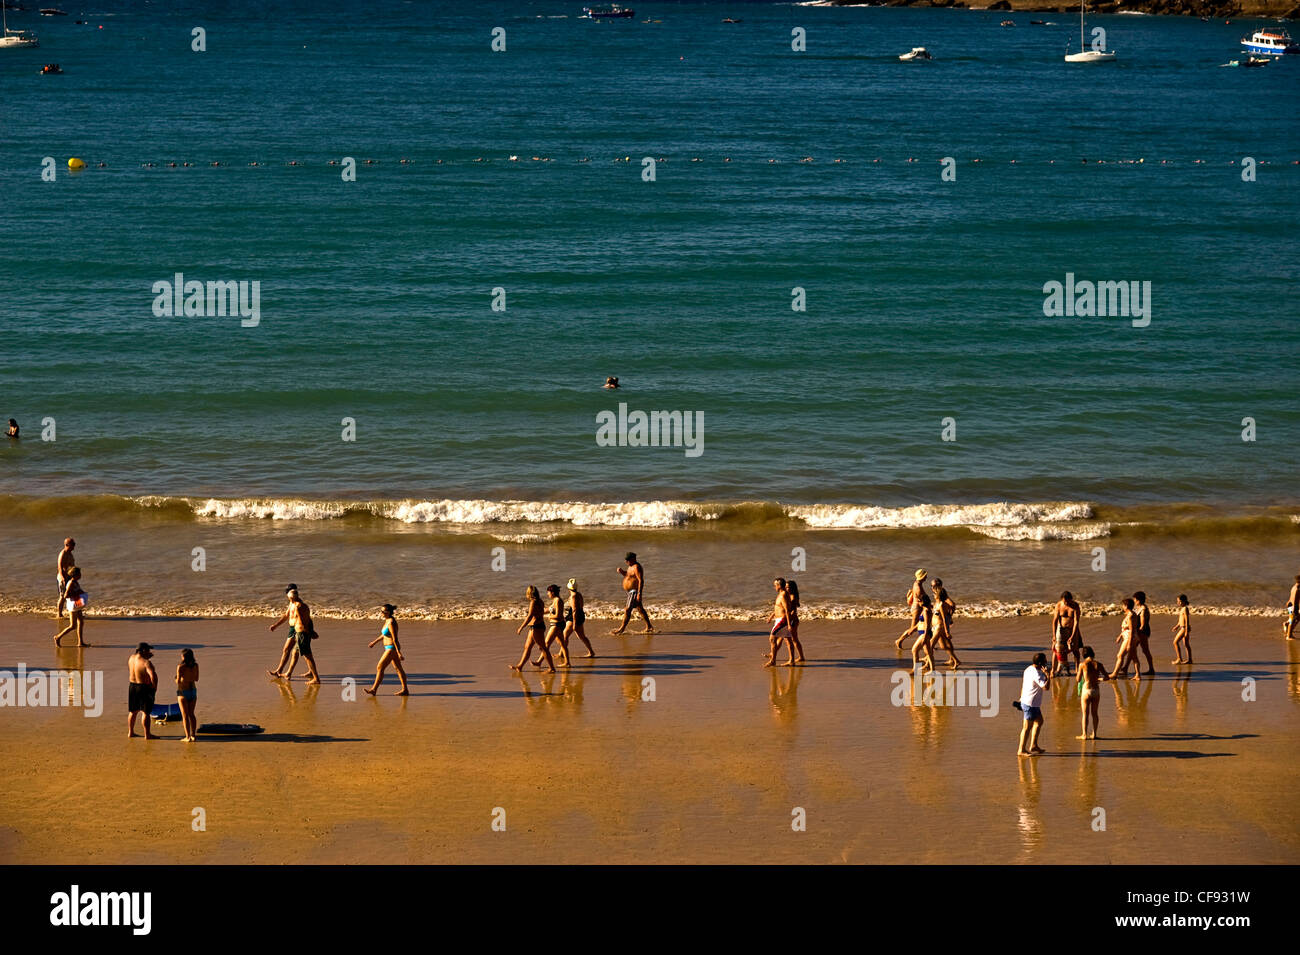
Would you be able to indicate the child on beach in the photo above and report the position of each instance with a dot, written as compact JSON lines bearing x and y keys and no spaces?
{"x":75,"y":600}
{"x":187,"y":694}
{"x":392,"y":652}
{"x":1031,"y":702}
{"x":1183,"y":631}
{"x":536,"y":625}
{"x":1090,"y":674}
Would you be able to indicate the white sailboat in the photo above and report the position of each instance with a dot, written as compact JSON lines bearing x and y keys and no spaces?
{"x":1085,"y":55}
{"x":14,"y":38}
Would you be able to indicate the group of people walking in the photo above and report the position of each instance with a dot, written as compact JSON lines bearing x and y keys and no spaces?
{"x":931,"y":621}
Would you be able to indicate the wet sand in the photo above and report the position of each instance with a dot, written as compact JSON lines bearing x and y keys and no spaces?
{"x":711,"y":770}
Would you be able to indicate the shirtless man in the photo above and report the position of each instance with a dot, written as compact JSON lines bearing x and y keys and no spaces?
{"x":66,"y":563}
{"x":634,"y":584}
{"x":780,"y":617}
{"x":291,"y":644}
{"x":143,"y":689}
{"x":1065,"y":632}
{"x":302,"y":633}
{"x":1142,"y":631}
{"x":1293,"y":608}
{"x":1183,"y":631}
{"x":919,"y":602}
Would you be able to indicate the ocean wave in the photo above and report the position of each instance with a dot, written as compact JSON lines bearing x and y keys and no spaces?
{"x":1046,"y":532}
{"x":998,"y":514}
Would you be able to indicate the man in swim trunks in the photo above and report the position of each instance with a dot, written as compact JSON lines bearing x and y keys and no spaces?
{"x":634,"y":584}
{"x":1293,"y":608}
{"x":291,"y":644}
{"x":143,"y":689}
{"x":780,"y":617}
{"x":304,"y":633}
{"x":66,"y":562}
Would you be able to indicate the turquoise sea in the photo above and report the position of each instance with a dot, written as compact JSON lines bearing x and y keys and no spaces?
{"x":476,"y":428}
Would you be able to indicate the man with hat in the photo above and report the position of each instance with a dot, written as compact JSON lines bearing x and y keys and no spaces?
{"x":144,"y":687}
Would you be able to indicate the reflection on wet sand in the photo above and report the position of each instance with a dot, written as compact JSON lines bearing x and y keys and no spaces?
{"x":783,"y":692}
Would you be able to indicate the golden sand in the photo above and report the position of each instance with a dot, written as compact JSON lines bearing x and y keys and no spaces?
{"x":714,"y":769}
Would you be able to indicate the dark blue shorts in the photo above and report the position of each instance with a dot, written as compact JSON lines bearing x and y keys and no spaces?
{"x":1032,"y":712}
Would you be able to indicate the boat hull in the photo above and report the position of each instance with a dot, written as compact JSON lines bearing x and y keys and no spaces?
{"x":1090,"y":56}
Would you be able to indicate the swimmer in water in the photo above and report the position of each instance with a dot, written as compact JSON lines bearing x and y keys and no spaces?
{"x":611,"y":382}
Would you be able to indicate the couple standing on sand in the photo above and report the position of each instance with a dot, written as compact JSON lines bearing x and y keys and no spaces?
{"x":931,"y":625}
{"x":144,"y":689}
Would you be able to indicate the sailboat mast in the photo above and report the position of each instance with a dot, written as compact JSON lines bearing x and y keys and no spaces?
{"x":1081,"y":3}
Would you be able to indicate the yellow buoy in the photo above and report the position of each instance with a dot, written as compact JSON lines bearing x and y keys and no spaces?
{"x":75,"y":163}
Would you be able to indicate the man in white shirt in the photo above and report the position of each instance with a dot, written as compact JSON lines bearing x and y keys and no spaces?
{"x":1031,"y":701}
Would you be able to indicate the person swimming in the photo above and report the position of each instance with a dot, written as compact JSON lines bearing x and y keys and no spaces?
{"x":611,"y":382}
{"x":13,"y":428}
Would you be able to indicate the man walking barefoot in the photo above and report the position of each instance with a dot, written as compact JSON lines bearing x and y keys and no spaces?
{"x":634,"y":584}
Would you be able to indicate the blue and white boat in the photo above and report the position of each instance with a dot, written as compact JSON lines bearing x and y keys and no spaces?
{"x":1274,"y":42}
{"x":614,"y":12}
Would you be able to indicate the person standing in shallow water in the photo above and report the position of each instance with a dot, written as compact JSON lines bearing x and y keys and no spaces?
{"x":76,"y":599}
{"x":392,"y":652}
{"x":1293,"y":609}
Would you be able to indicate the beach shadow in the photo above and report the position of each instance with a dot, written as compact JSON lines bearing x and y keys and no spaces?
{"x":1142,"y":754}
{"x":414,"y":679}
{"x":277,"y":738}
{"x":150,"y":619}
{"x":130,"y":647}
{"x":1189,"y":737}
{"x":496,"y":694}
{"x":720,"y":633}
{"x":656,"y":656}
{"x":902,"y":663}
{"x":650,"y":668}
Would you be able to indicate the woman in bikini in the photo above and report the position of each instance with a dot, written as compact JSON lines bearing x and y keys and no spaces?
{"x":74,"y":600}
{"x":919,"y":602}
{"x":1125,"y":641}
{"x":1090,"y":674}
{"x":392,"y":652}
{"x":575,"y":618}
{"x":536,"y":624}
{"x":187,"y":694}
{"x":944,"y":610}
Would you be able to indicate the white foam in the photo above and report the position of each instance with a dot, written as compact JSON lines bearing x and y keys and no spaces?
{"x":975,"y":516}
{"x":1046,"y":532}
{"x":272,"y":508}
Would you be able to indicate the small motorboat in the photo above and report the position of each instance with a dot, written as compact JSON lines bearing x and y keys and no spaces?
{"x":53,"y":12}
{"x":730,"y":20}
{"x":1256,"y":61}
{"x":51,"y":68}
{"x":918,"y":53}
{"x":1007,"y":23}
{"x":613,"y":12}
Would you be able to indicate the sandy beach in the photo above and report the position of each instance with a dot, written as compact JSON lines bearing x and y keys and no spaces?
{"x":713,"y":769}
